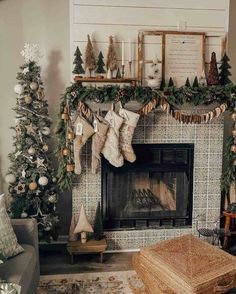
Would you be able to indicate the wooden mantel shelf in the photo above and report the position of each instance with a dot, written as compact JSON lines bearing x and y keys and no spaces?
{"x":131,"y":81}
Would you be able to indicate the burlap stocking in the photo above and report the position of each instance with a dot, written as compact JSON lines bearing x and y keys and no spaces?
{"x":83,"y":131}
{"x":101,"y":127}
{"x":127,"y":132}
{"x":111,"y":150}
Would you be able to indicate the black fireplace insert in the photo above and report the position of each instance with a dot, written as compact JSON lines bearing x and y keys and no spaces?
{"x":154,"y":191}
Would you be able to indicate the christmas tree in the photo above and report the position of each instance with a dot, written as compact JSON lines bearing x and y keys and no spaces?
{"x":163,"y":84}
{"x":98,"y":224}
{"x":100,"y":64}
{"x":31,"y":180}
{"x":195,"y":82}
{"x":213,"y":76}
{"x":90,"y":62}
{"x":187,"y":83}
{"x":224,"y":70}
{"x":171,"y":82}
{"x":78,"y":69}
{"x":111,"y":56}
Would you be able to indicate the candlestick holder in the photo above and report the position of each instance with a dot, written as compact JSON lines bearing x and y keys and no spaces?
{"x":130,"y":68}
{"x":122,"y":70}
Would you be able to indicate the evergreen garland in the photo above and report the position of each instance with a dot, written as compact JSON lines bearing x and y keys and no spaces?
{"x":201,"y":95}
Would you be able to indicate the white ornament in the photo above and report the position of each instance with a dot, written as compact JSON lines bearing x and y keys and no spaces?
{"x":54,"y":180}
{"x":43,"y":181}
{"x":10,"y":178}
{"x":31,"y":150}
{"x":52,"y":198}
{"x":46,"y":131}
{"x":31,"y":52}
{"x":24,"y":214}
{"x":18,"y":89}
{"x":25,"y":70}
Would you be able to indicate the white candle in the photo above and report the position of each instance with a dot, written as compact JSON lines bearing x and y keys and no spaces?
{"x":123,"y":53}
{"x":130,"y":51}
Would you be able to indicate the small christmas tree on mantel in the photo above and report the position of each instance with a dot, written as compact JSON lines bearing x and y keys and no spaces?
{"x":78,"y":69}
{"x":111,"y":63}
{"x":31,"y":180}
{"x":100,"y":64}
{"x":224,"y":70}
{"x":90,"y":62}
{"x":213,"y":75}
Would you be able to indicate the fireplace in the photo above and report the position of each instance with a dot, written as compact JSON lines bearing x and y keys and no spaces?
{"x":154,"y":191}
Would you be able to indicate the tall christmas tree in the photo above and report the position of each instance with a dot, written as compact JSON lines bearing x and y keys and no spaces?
{"x":224,"y":70}
{"x":213,"y":75}
{"x":100,"y":64}
{"x":31,"y":180}
{"x":90,"y":62}
{"x":78,"y":69}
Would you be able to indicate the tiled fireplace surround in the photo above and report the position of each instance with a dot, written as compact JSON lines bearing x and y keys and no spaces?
{"x":161,"y":128}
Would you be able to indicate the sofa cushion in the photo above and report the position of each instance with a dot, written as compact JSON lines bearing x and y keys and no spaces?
{"x":20,"y":269}
{"x":8,"y":241}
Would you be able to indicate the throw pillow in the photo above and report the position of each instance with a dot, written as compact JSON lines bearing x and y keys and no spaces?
{"x":8,"y":241}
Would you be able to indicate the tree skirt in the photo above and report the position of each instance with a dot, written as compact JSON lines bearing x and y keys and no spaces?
{"x":123,"y":282}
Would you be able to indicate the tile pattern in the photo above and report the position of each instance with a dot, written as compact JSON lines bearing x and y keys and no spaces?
{"x":161,"y":128}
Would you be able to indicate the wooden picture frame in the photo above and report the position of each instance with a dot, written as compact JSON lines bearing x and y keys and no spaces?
{"x":197,"y":37}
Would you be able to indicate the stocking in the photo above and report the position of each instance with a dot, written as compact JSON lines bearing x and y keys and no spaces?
{"x":127,"y":132}
{"x":83,"y":131}
{"x":101,"y":127}
{"x":111,"y":150}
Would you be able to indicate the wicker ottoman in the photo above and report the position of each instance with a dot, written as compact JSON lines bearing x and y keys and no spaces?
{"x":185,"y":265}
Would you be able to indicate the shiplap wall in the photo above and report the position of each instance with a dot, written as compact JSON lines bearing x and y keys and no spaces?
{"x":123,"y":19}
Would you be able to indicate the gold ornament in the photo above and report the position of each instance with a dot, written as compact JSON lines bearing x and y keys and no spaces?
{"x":45,"y":147}
{"x":34,"y":86}
{"x":46,"y":131}
{"x":71,"y":135}
{"x":65,"y":151}
{"x":28,"y":99}
{"x":234,"y":132}
{"x":233,"y":116}
{"x":70,"y":167}
{"x":31,"y":150}
{"x":33,"y":186}
{"x":65,"y":115}
{"x":52,"y":198}
{"x":233,"y":148}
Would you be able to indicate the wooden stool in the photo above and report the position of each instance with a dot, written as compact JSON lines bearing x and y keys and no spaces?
{"x":91,"y":246}
{"x":229,"y":216}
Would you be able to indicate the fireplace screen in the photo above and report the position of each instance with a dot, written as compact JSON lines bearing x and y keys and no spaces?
{"x":155,"y":190}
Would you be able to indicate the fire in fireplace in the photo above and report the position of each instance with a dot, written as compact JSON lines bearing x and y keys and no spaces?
{"x":154,"y":191}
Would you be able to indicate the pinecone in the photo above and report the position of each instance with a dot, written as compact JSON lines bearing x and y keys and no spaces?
{"x":120,"y":95}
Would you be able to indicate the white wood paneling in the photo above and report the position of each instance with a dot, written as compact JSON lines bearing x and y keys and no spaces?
{"x":123,"y":19}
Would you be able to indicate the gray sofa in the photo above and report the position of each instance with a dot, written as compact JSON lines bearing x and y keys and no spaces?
{"x":23,"y":269}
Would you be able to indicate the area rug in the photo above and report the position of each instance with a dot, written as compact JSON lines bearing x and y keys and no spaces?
{"x":125,"y":282}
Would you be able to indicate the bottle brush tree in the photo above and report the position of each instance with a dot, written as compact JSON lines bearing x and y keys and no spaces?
{"x":111,"y":63}
{"x":32,"y":184}
{"x":90,"y":62}
{"x":100,"y":64}
{"x":98,"y":224}
{"x":213,"y":75}
{"x":224,"y":70}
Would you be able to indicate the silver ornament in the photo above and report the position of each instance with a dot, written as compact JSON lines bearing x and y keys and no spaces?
{"x":46,"y":131}
{"x":45,"y":147}
{"x":43,"y":181}
{"x":34,"y":86}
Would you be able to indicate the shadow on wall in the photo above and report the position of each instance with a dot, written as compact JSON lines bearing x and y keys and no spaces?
{"x":54,"y":87}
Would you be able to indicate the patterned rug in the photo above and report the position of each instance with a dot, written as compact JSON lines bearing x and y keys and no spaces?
{"x":125,"y":282}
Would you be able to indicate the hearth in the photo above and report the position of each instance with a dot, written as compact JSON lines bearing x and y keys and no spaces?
{"x":154,"y":191}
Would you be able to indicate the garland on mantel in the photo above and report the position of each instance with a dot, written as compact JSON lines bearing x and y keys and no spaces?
{"x":170,"y":100}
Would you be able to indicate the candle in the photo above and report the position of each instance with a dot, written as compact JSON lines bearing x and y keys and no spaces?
{"x":130,"y":51}
{"x":123,"y":53}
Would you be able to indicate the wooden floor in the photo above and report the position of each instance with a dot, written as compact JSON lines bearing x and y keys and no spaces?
{"x":56,"y":260}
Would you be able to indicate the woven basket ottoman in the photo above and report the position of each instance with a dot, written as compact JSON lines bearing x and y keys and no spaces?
{"x":185,"y":265}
